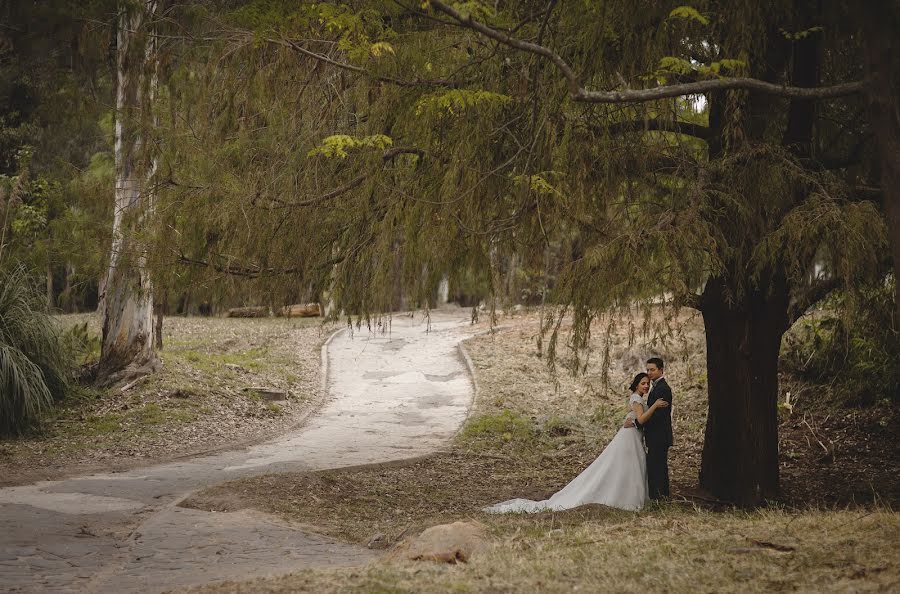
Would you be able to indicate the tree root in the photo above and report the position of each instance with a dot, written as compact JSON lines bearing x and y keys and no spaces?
{"x":131,"y":373}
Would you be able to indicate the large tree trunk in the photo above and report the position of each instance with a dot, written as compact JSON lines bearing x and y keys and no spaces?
{"x":740,"y":449}
{"x":128,"y":332}
{"x":881,"y":20}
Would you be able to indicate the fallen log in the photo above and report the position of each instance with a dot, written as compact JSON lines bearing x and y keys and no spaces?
{"x":257,"y":311}
{"x":301,"y":310}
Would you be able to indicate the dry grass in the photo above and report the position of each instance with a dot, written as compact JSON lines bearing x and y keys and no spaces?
{"x":529,"y":435}
{"x":198,"y":401}
{"x":668,"y":549}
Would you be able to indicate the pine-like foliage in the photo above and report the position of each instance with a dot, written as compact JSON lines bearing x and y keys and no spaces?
{"x":33,"y":365}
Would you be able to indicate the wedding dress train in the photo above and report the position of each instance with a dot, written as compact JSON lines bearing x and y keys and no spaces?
{"x":617,"y":478}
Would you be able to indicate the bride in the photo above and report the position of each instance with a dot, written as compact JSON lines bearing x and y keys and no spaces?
{"x":617,"y":478}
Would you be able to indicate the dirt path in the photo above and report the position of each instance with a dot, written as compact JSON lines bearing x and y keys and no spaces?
{"x":392,"y":395}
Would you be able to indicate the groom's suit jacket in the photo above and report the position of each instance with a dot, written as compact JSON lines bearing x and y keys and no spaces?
{"x":658,"y":428}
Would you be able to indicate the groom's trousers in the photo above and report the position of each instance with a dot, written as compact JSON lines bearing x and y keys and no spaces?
{"x":658,"y":471}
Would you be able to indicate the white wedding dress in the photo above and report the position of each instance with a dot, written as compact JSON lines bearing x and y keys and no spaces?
{"x":617,"y":478}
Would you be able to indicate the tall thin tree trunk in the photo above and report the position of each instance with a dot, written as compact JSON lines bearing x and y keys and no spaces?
{"x":881,"y":20}
{"x":66,"y":295}
{"x":128,"y":332}
{"x":49,"y":285}
{"x":740,"y":449}
{"x":160,"y":309}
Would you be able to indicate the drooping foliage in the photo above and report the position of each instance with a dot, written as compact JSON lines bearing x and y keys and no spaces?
{"x":361,"y":152}
{"x":34,"y":368}
{"x":483,"y":156}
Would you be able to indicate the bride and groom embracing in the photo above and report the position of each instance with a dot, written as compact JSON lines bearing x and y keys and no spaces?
{"x":625,"y":475}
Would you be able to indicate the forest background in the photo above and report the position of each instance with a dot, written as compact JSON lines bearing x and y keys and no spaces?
{"x":598,"y":159}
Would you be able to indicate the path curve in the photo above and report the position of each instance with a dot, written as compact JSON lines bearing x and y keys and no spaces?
{"x":393,"y":394}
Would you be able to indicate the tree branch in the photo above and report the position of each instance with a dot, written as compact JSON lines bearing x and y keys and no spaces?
{"x":689,"y":129}
{"x":388,"y":155}
{"x":245,"y":271}
{"x":720,"y":84}
{"x":354,"y":183}
{"x":688,"y":300}
{"x":803,"y":300}
{"x":358,"y":69}
{"x":469,"y":22}
{"x":578,"y":93}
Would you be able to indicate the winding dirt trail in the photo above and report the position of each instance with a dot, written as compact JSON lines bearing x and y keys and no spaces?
{"x":392,"y":395}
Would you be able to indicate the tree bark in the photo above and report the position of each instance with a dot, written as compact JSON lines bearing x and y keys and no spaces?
{"x":881,"y":20}
{"x":65,"y":297}
{"x":160,"y":309}
{"x":128,"y":332}
{"x":49,"y":285}
{"x":743,"y":339}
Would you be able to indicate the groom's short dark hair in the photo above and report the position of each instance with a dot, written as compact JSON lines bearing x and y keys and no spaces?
{"x":656,"y":361}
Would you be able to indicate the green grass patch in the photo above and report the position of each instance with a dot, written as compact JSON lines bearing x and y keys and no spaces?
{"x":99,"y":425}
{"x":499,"y":430}
{"x":149,"y":415}
{"x":254,"y":359}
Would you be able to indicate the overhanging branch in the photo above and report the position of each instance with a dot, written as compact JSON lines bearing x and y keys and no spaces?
{"x":443,"y":83}
{"x":233,"y":270}
{"x":656,"y":125}
{"x":386,"y":156}
{"x":578,"y":93}
{"x":802,"y":300}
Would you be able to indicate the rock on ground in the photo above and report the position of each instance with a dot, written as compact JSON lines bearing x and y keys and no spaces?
{"x":449,"y":543}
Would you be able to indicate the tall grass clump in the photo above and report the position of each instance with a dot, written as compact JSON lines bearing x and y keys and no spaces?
{"x":33,"y":365}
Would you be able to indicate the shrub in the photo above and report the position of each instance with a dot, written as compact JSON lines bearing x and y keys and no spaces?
{"x":34,"y":369}
{"x":857,"y":352}
{"x":82,"y":345}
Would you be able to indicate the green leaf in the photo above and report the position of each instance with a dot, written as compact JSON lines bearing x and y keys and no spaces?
{"x":673,"y":65}
{"x":458,"y":101}
{"x":688,"y":13}
{"x":381,"y":48}
{"x":339,"y":145}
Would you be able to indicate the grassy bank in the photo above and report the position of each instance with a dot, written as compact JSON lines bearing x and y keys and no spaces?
{"x":202,"y":399}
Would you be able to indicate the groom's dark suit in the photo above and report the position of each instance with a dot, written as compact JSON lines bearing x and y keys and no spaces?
{"x":658,"y":435}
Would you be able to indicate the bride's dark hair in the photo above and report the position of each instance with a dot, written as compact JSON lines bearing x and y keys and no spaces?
{"x":637,"y":380}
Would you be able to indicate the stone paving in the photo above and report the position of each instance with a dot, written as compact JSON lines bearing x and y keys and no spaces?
{"x":394,"y":394}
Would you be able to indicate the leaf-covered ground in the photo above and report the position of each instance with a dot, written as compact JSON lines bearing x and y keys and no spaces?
{"x":530,"y":434}
{"x":200,"y":401}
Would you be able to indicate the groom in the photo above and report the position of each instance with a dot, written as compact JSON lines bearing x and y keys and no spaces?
{"x":658,"y":431}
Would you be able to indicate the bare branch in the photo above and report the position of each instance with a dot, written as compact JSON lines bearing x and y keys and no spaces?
{"x":388,"y":155}
{"x":688,"y":300}
{"x":578,"y":93}
{"x":720,"y":84}
{"x":354,"y":183}
{"x":802,"y":300}
{"x":655,"y":124}
{"x":468,"y":21}
{"x":353,"y":68}
{"x":231,"y":269}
